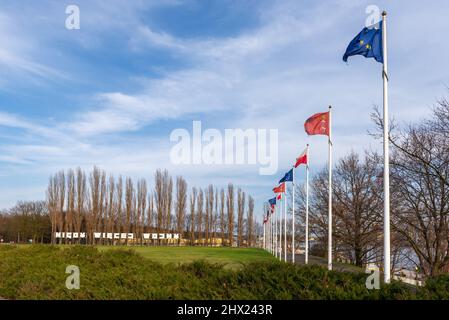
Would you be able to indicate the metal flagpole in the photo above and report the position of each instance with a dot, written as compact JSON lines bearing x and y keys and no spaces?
{"x":285,"y":223}
{"x":386,"y":153}
{"x":306,"y":257}
{"x":293,"y":214}
{"x":271,"y":233}
{"x":280,"y":233}
{"x":329,"y":235}
{"x":264,"y":233}
{"x":275,"y":232}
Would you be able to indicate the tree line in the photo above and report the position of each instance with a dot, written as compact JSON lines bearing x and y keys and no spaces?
{"x":97,"y":202}
{"x":419,"y":176}
{"x":27,"y":220}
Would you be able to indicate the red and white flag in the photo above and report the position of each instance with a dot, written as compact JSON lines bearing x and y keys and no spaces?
{"x":302,"y":159}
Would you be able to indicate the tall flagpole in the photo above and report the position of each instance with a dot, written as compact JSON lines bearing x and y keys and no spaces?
{"x":329,"y":235}
{"x":306,"y":257}
{"x":293,"y":214}
{"x":285,"y":223}
{"x":386,"y":154}
{"x":264,"y":233}
{"x":271,"y":232}
{"x":276,"y":251}
{"x":280,"y":233}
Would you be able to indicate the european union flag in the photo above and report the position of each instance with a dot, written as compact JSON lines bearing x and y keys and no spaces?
{"x":288,"y":176}
{"x":272,"y":201}
{"x":367,"y":43}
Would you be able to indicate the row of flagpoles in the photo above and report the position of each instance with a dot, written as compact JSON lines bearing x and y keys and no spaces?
{"x":371,"y":42}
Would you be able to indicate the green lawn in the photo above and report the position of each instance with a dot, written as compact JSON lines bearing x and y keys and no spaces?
{"x":39,"y":272}
{"x":230,"y":257}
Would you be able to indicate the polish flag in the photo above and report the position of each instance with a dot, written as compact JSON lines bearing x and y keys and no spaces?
{"x":301,"y":159}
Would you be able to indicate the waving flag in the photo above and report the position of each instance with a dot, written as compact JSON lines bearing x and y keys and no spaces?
{"x":372,"y":42}
{"x":302,"y":159}
{"x":272,"y":201}
{"x":288,"y":176}
{"x":367,"y":43}
{"x":318,"y":124}
{"x":280,"y":188}
{"x":279,"y":196}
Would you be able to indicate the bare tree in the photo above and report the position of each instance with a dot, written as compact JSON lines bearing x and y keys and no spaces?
{"x":181,"y":204}
{"x":159,"y":198}
{"x":129,"y":205}
{"x":141,"y":208}
{"x":230,"y":213}
{"x":80,"y":201}
{"x":52,"y":202}
{"x":199,"y":221}
{"x":193,"y":196}
{"x":119,"y":207}
{"x":150,"y":214}
{"x":208,"y":213}
{"x":420,"y":197}
{"x":250,"y":219}
{"x":70,"y":201}
{"x":240,"y":212}
{"x":61,"y":202}
{"x":222,"y":217}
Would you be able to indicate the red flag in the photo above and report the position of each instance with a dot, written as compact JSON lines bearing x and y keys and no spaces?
{"x":279,"y":197}
{"x":301,"y":159}
{"x":280,"y":188}
{"x":318,"y":124}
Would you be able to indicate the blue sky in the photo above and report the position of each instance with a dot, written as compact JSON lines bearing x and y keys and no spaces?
{"x":110,"y":93}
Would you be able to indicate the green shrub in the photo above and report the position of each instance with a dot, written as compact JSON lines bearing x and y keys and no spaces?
{"x":435,"y":288}
{"x":38,"y":272}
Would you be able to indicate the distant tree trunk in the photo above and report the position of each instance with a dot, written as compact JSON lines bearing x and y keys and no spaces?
{"x":129,"y":204}
{"x":200,"y":203}
{"x":240,"y":213}
{"x":160,"y":200}
{"x":222,"y":216}
{"x":181,"y":204}
{"x":141,"y":207}
{"x":215,"y":219}
{"x":208,"y":214}
{"x":119,"y":208}
{"x":230,"y":210}
{"x":52,"y":203}
{"x":80,"y":201}
{"x":70,"y":202}
{"x":250,"y":219}
{"x":193,"y":197}
{"x":61,"y":203}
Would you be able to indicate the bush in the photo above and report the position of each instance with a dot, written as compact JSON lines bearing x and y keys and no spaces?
{"x":435,"y":288}
{"x":38,"y":272}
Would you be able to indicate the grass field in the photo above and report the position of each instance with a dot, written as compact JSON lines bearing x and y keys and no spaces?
{"x":229,"y":257}
{"x":39,"y":272}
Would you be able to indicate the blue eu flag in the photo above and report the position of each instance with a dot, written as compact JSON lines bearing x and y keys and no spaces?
{"x":272,"y":201}
{"x":367,"y":43}
{"x":288,"y":176}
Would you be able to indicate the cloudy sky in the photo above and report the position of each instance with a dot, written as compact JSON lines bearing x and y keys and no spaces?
{"x":110,"y":93}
